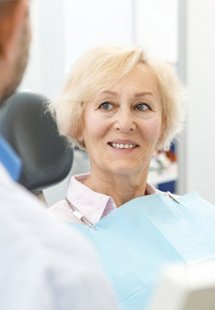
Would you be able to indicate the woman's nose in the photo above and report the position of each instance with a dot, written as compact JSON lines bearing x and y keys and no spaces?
{"x":124,"y":122}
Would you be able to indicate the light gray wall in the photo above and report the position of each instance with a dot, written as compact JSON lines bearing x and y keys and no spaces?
{"x":157,"y":28}
{"x":198,"y":49}
{"x":45,"y":72}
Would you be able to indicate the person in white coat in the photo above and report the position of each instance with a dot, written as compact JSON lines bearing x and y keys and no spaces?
{"x":43,"y":263}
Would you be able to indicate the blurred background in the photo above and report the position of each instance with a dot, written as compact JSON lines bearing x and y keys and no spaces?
{"x":182,"y":32}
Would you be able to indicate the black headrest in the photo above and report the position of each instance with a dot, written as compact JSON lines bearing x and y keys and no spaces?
{"x":31,"y":131}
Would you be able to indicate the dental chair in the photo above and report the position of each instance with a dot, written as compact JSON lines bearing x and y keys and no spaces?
{"x":30,"y":129}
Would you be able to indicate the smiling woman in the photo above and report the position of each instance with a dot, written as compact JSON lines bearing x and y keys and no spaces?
{"x":120,"y":106}
{"x":127,"y":126}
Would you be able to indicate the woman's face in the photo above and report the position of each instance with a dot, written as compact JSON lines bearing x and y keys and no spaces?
{"x":122,"y":125}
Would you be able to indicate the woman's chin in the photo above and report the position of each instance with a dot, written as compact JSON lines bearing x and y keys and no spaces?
{"x":126,"y":170}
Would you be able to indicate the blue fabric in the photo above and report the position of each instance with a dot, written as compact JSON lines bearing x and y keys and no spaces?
{"x":10,"y":159}
{"x":136,"y":240}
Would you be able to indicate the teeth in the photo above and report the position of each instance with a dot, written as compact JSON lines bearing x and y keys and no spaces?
{"x":122,"y":146}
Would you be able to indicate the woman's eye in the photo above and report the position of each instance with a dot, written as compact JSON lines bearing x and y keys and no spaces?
{"x":142,"y":107}
{"x":106,"y":106}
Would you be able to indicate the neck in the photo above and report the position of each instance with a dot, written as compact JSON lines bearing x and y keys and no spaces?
{"x":122,"y":188}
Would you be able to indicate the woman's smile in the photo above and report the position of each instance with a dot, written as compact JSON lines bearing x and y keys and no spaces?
{"x":123,"y":144}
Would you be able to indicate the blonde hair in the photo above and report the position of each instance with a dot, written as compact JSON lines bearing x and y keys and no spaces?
{"x":102,"y":67}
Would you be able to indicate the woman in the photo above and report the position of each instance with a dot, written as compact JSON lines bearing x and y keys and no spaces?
{"x":120,"y":106}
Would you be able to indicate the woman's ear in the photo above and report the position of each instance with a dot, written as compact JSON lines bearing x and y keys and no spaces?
{"x":81,"y":141}
{"x":77,"y":135}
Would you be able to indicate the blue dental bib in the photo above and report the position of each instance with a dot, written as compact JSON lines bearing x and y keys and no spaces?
{"x":138,"y":239}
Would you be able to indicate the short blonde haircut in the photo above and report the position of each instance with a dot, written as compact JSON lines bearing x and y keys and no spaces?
{"x":104,"y":66}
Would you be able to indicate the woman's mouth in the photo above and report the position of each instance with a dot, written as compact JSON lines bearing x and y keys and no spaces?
{"x":122,"y":145}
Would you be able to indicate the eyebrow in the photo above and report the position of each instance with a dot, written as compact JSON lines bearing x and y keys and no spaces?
{"x":144,"y":94}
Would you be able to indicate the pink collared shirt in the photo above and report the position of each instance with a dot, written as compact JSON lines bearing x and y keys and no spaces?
{"x":91,"y":204}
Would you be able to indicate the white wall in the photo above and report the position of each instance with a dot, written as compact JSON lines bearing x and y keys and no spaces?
{"x":157,"y":28}
{"x":63,"y":29}
{"x":199,"y":73}
{"x":45,"y":72}
{"x":91,"y":23}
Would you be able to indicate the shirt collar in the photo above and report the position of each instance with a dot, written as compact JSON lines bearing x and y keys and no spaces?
{"x":10,"y":159}
{"x":92,"y":204}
